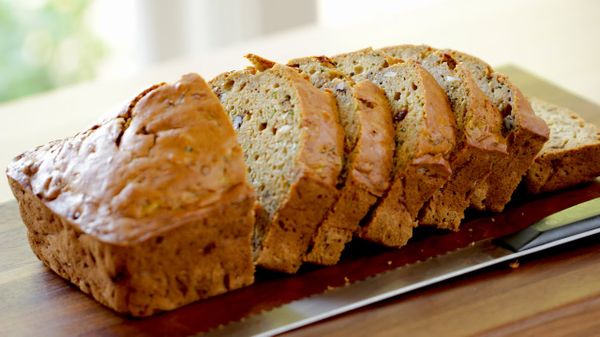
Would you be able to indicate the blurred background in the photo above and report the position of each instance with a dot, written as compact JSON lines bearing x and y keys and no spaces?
{"x":46,"y":44}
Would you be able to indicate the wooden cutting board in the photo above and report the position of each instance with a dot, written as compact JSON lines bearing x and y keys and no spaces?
{"x":35,"y":301}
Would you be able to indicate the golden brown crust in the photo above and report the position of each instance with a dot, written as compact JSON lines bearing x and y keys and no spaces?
{"x":424,"y":131}
{"x":375,"y":148}
{"x":440,"y":131}
{"x":173,"y":146}
{"x":480,"y":142}
{"x":313,"y":194}
{"x":322,"y":144}
{"x":340,"y":224}
{"x":318,"y":162}
{"x":369,"y":169}
{"x":143,"y":172}
{"x":555,"y":171}
{"x":483,"y":146}
{"x":480,"y":145}
{"x":446,"y":207}
{"x":571,"y":157}
{"x":526,"y":137}
{"x":291,"y":229}
{"x":524,"y":144}
{"x":394,"y":217}
{"x":260,"y":63}
{"x":484,"y":128}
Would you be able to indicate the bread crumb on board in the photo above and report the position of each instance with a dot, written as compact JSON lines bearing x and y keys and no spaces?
{"x":514,"y":265}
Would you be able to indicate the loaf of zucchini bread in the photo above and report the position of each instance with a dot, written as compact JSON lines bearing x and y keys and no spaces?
{"x":180,"y":194}
{"x":149,"y":209}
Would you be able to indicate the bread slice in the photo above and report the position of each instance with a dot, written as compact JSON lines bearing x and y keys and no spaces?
{"x":368,"y":151}
{"x":293,"y":146}
{"x":424,"y":137}
{"x":148,"y":210}
{"x":570,"y":157}
{"x":526,"y":133}
{"x":480,"y":143}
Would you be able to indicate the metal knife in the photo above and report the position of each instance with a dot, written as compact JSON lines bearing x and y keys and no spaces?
{"x":579,"y":221}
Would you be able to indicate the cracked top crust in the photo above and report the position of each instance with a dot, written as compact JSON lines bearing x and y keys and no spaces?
{"x":160,"y":163}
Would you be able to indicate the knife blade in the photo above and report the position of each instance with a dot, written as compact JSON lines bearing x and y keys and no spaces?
{"x":579,"y":221}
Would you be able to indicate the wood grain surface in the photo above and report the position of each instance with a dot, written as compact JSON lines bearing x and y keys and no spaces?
{"x":554,"y":293}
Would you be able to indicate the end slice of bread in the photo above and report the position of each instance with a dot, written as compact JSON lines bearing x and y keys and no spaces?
{"x":293,"y":145}
{"x":424,"y":135}
{"x":479,"y":135}
{"x":368,"y":153}
{"x":526,"y":133}
{"x":570,"y":157}
{"x":149,"y":209}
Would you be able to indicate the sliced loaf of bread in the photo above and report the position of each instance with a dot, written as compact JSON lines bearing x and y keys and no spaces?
{"x":293,"y":146}
{"x":526,"y":133}
{"x":424,"y":135}
{"x":149,"y":209}
{"x":479,"y":135}
{"x":365,"y":115}
{"x":570,"y":157}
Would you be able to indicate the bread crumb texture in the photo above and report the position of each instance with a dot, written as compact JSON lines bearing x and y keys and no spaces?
{"x":570,"y":157}
{"x":293,"y":147}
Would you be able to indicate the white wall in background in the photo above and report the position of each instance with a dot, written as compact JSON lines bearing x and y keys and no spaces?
{"x":143,"y":32}
{"x":117,"y":23}
{"x":336,"y":13}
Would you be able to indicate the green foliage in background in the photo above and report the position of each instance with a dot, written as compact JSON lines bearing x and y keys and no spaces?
{"x":45,"y":44}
